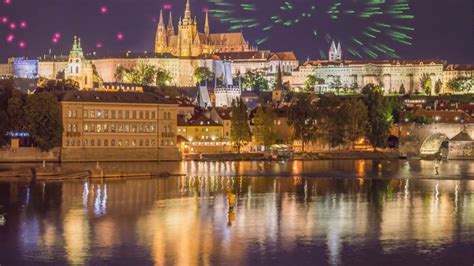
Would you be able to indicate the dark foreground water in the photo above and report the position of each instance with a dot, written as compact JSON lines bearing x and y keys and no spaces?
{"x":348,"y":212}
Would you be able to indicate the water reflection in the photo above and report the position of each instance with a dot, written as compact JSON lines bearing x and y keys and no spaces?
{"x":188,"y":220}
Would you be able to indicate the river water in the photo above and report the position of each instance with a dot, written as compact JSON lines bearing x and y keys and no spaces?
{"x":285,"y":213}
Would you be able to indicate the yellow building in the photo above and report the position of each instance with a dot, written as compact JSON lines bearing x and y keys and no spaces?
{"x":189,"y":42}
{"x":117,"y":126}
{"x":201,"y":134}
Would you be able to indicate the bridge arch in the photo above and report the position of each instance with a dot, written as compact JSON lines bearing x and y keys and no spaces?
{"x":433,"y":144}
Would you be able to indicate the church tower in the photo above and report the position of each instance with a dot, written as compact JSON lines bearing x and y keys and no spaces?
{"x":170,"y":28}
{"x":186,"y":32}
{"x":160,"y":41}
{"x":335,"y":53}
{"x":78,"y":68}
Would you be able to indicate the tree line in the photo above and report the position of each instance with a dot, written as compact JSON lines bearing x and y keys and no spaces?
{"x":330,"y":119}
{"x":39,"y":114}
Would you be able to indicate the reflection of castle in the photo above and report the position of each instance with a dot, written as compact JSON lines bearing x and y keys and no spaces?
{"x":189,"y":42}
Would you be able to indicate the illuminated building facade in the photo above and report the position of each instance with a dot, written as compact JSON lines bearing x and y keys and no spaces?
{"x":189,"y":42}
{"x":115,"y":126}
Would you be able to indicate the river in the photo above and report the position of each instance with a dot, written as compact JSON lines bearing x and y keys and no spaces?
{"x":357,"y":212}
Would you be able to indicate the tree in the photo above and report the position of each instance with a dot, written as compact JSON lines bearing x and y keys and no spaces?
{"x":402,"y":90}
{"x":438,"y":86}
{"x":163,"y":78}
{"x":264,"y":126}
{"x":97,"y":79}
{"x":426,"y":84}
{"x":302,"y":117}
{"x":4,"y":127}
{"x":311,"y":81}
{"x":336,"y":84}
{"x":240,"y":130}
{"x":202,"y":74}
{"x":57,"y":85}
{"x":380,"y":118}
{"x":279,"y":80}
{"x":141,"y":74}
{"x":367,"y":88}
{"x":43,"y":120}
{"x":255,"y":81}
{"x":15,"y":111}
{"x":357,"y":124}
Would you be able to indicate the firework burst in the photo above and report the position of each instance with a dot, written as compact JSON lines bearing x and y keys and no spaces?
{"x":378,"y":27}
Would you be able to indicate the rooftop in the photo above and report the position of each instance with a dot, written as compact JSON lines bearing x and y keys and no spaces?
{"x":112,"y":97}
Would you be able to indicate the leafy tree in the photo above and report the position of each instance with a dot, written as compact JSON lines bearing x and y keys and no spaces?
{"x":336,"y":84}
{"x":255,"y":81}
{"x":240,"y":130}
{"x":331,"y":120}
{"x":311,"y":81}
{"x":367,"y":88}
{"x":15,"y":110}
{"x":57,"y":85}
{"x":380,"y":118}
{"x":438,"y":85}
{"x":264,"y":126}
{"x":354,"y":87}
{"x":461,"y":84}
{"x":4,"y":127}
{"x":61,"y":75}
{"x":202,"y":74}
{"x":302,"y":117}
{"x":402,"y":90}
{"x":140,"y":74}
{"x":97,"y":79}
{"x":357,"y":124}
{"x":426,"y":84}
{"x":163,"y":78}
{"x":279,"y":80}
{"x":43,"y":120}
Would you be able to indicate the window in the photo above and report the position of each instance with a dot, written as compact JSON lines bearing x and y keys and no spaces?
{"x":153,"y":115}
{"x":134,"y":143}
{"x":127,"y":114}
{"x":119,"y":114}
{"x":106,"y":114}
{"x":141,"y":115}
{"x":147,"y":115}
{"x":153,"y":142}
{"x":112,"y":128}
{"x":112,"y":114}
{"x":126,"y":143}
{"x":98,"y":143}
{"x":134,"y":115}
{"x":126,"y":128}
{"x":120,"y":127}
{"x":106,"y":142}
{"x":86,"y":127}
{"x":112,"y":142}
{"x":92,"y":114}
{"x":92,"y":143}
{"x":69,"y":127}
{"x":69,"y":114}
{"x":141,"y":143}
{"x":74,"y":128}
{"x":120,"y":143}
{"x":106,"y":128}
{"x":92,"y":128}
{"x":86,"y":142}
{"x":86,"y":113}
{"x":99,"y":128}
{"x":134,"y":127}
{"x":147,"y":143}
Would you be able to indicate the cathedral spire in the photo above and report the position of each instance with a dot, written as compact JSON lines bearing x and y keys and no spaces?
{"x":170,"y":28}
{"x":187,"y":14}
{"x":206,"y":25}
{"x":160,"y":23}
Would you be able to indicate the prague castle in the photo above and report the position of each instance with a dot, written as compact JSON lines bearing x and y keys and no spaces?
{"x":189,"y":42}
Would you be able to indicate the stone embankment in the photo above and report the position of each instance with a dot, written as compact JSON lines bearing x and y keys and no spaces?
{"x":59,"y":174}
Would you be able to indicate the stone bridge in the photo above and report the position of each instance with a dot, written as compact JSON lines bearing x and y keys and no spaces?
{"x":419,"y":140}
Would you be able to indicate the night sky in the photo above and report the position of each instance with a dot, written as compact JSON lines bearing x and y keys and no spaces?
{"x":443,"y":29}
